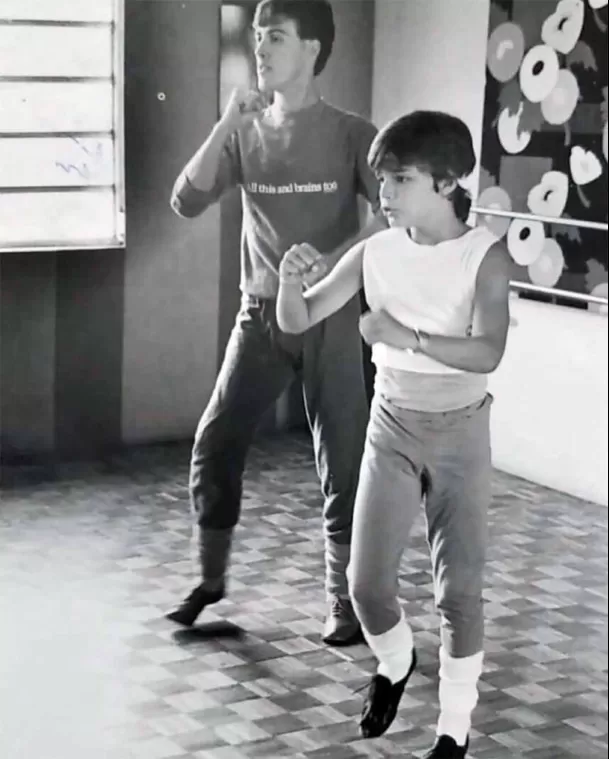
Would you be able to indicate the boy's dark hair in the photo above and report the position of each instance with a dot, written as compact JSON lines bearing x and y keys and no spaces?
{"x":314,"y":20}
{"x":431,"y":141}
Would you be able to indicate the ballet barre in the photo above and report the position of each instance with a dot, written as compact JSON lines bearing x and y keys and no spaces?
{"x":525,"y":287}
{"x":598,"y":225}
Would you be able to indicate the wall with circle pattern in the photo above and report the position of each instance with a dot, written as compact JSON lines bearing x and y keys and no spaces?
{"x":544,"y":147}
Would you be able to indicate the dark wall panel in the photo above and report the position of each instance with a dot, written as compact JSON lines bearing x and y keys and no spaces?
{"x":27,"y":355}
{"x":172,"y":274}
{"x":89,"y":341}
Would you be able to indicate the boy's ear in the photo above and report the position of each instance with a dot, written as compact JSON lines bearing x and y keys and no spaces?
{"x":446,"y":187}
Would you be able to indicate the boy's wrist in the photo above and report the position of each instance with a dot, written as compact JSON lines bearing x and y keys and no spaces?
{"x":290,"y":280}
{"x":421,"y":339}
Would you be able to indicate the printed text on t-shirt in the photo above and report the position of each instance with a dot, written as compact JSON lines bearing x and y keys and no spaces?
{"x":292,"y":187}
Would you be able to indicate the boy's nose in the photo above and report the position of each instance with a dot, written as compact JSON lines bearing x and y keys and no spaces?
{"x":386,"y":191}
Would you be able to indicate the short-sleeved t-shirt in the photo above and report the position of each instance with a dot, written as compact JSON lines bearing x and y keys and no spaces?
{"x":300,"y":181}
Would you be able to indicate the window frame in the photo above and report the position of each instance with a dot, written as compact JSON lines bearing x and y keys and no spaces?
{"x":117,"y":239}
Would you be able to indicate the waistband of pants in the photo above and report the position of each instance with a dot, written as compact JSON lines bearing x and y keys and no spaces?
{"x":451,"y":415}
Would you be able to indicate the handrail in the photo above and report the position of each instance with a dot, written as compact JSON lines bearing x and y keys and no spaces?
{"x":550,"y":291}
{"x":602,"y":227}
{"x":567,"y":294}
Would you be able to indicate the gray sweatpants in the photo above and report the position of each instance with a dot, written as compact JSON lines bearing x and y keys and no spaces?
{"x":443,"y":459}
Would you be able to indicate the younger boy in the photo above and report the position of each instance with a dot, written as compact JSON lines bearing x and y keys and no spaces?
{"x":438,"y":293}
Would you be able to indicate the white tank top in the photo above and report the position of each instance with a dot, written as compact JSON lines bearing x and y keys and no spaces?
{"x":430,"y":287}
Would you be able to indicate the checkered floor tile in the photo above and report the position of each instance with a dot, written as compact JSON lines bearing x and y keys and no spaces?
{"x":89,"y":667}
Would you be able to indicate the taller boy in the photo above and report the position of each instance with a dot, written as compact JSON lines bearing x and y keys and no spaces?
{"x":301,"y":163}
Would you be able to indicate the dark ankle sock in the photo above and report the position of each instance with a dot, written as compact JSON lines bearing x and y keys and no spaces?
{"x":214,"y":555}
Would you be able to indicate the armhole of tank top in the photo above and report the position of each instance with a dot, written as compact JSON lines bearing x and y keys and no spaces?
{"x":475,"y":259}
{"x":477,"y":255}
{"x":370,"y":247}
{"x":365,"y":261}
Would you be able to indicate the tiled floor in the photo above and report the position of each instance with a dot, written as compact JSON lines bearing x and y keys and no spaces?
{"x":89,"y":667}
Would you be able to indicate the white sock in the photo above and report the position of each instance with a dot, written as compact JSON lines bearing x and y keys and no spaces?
{"x":394,"y":650}
{"x":458,"y":694}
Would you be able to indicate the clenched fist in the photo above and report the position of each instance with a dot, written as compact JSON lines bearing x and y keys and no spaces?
{"x":243,"y":105}
{"x":302,"y":264}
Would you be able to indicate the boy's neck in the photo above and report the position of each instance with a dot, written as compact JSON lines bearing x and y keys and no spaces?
{"x":445,"y":229}
{"x":296,"y":97}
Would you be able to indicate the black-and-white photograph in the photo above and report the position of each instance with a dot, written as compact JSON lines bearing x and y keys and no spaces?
{"x":303,"y":379}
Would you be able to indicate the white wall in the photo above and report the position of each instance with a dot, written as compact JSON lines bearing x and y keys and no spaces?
{"x":550,"y":413}
{"x":430,"y":54}
{"x":549,"y":419}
